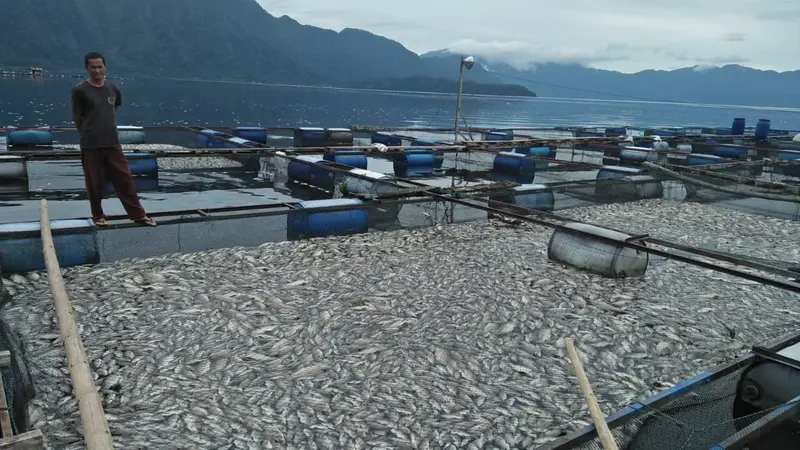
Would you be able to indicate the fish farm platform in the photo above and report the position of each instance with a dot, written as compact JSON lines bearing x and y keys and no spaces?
{"x":660,"y":251}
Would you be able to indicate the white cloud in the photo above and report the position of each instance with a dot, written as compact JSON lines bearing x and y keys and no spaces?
{"x":625,"y":35}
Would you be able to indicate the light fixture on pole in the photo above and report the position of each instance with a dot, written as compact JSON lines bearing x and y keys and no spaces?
{"x":468,"y":62}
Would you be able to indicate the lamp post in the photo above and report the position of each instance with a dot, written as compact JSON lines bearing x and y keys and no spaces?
{"x":468,"y":62}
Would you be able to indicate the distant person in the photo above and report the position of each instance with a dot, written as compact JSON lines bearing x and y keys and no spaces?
{"x":94,"y":105}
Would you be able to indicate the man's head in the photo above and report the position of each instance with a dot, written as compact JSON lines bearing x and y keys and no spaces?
{"x":95,"y":65}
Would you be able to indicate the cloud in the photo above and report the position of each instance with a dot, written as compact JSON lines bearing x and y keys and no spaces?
{"x":623,"y":35}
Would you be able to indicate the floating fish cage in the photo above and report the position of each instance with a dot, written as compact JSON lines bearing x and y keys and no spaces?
{"x":322,"y":137}
{"x":30,"y":137}
{"x":751,"y":403}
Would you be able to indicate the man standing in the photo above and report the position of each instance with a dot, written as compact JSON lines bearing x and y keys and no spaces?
{"x":94,"y":105}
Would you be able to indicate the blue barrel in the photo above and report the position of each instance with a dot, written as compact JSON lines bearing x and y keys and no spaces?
{"x":762,"y":128}
{"x":386,"y":138}
{"x":792,"y":171}
{"x":737,"y":128}
{"x":724,"y":131}
{"x":305,"y":223}
{"x":500,"y":135}
{"x":131,"y":135}
{"x":697,"y":159}
{"x":255,"y":134}
{"x":663,"y":133}
{"x":543,"y":152}
{"x":309,"y":137}
{"x":731,"y":151}
{"x":617,"y":131}
{"x":315,"y":176}
{"x":29,"y":137}
{"x":202,"y":139}
{"x":142,"y":163}
{"x":21,"y":245}
{"x":513,"y":164}
{"x":353,"y":158}
{"x":583,"y":133}
{"x":13,"y":167}
{"x":615,"y":172}
{"x":416,"y":161}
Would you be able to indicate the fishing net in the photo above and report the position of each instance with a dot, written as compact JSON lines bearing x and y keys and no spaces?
{"x":17,"y":382}
{"x":696,"y":420}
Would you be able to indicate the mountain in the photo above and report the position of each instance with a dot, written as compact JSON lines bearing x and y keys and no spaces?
{"x":205,"y":39}
{"x":730,"y":84}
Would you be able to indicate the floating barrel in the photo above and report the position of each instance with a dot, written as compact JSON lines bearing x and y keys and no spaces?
{"x":305,"y":224}
{"x":528,"y":196}
{"x":21,"y":244}
{"x":697,"y":159}
{"x":386,"y":138}
{"x":632,"y":184}
{"x":439,"y":160}
{"x":338,"y":136}
{"x":661,"y":132}
{"x":255,"y":134}
{"x":660,"y":145}
{"x":309,"y":137}
{"x":13,"y":168}
{"x":353,"y":158}
{"x":684,"y":148}
{"x":416,"y":161}
{"x":584,"y":133}
{"x":724,"y":131}
{"x":737,"y":128}
{"x":315,"y":176}
{"x":762,"y":128}
{"x":203,"y":139}
{"x":130,"y":135}
{"x":791,"y":171}
{"x":142,"y":163}
{"x":637,"y":154}
{"x":543,"y":152}
{"x":730,"y":151}
{"x":617,"y":131}
{"x":588,"y":251}
{"x":513,"y":163}
{"x":381,"y":215}
{"x":29,"y":137}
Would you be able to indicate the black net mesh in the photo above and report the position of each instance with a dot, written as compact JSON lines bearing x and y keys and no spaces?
{"x":16,"y":379}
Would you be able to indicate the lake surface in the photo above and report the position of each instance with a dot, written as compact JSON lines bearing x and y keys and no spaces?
{"x":25,"y":101}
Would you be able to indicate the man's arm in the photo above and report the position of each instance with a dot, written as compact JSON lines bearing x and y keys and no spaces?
{"x":118,"y":94}
{"x":77,"y":112}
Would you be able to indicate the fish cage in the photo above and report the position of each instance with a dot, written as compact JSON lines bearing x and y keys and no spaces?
{"x":752,"y":403}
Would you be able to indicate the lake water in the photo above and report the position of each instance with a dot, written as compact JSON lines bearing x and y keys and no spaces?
{"x":25,"y":101}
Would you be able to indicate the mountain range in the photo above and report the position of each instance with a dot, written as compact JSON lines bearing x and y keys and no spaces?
{"x":238,"y":40}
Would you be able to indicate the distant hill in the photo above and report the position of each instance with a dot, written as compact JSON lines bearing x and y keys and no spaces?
{"x":205,"y":39}
{"x":730,"y":84}
{"x":430,"y":84}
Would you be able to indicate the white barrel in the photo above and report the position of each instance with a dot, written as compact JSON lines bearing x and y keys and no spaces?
{"x":357,"y":185}
{"x":13,"y":167}
{"x":684,"y":148}
{"x":638,"y":154}
{"x":588,"y":252}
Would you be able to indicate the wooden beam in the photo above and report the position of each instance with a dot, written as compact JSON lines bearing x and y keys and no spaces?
{"x":32,"y":440}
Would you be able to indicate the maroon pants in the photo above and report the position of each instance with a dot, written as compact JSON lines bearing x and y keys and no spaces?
{"x":112,"y":160}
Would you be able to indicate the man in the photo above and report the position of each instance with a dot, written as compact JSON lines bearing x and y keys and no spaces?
{"x":94,"y":104}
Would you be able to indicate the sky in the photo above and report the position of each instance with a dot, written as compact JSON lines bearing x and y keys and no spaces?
{"x":623,"y":35}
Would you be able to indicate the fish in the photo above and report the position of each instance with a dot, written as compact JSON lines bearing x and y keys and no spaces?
{"x":448,"y":337}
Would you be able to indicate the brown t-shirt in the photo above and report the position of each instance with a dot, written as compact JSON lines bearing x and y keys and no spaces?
{"x":95,"y":109}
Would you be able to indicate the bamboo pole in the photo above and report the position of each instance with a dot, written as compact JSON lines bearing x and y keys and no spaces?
{"x":594,"y":409}
{"x":95,"y":428}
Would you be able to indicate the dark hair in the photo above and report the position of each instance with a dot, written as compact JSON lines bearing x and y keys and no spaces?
{"x":93,"y":55}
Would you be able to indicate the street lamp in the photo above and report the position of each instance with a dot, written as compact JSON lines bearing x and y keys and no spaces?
{"x":468,"y":62}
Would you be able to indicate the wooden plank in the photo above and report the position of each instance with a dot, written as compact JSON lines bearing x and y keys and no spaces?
{"x":5,"y":419}
{"x":32,"y":440}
